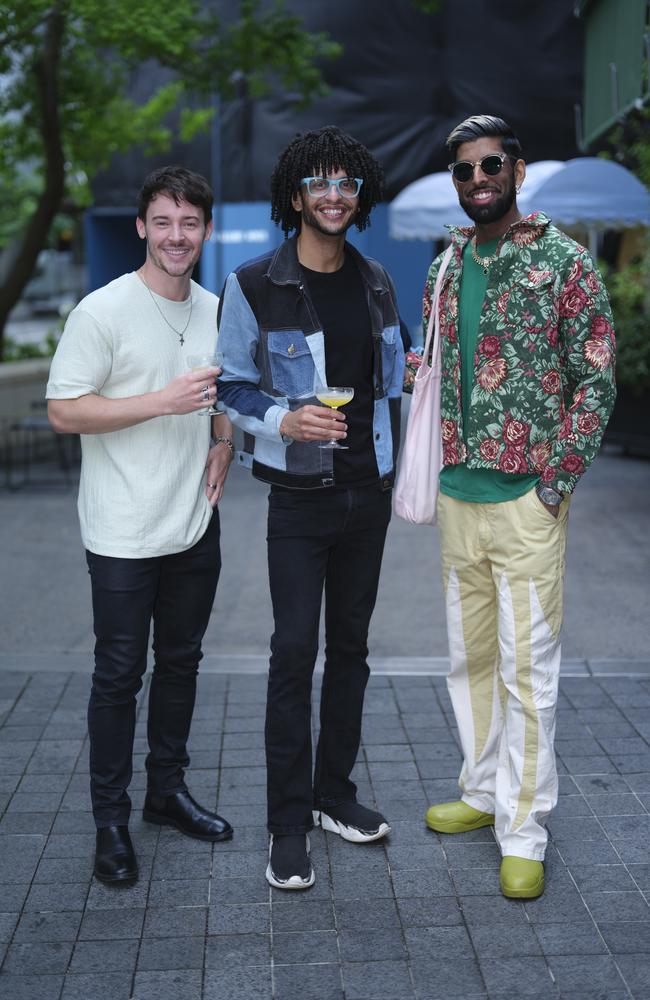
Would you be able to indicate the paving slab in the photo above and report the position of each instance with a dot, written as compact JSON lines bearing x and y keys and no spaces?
{"x":419,"y":916}
{"x":402,"y":916}
{"x":607,"y":597}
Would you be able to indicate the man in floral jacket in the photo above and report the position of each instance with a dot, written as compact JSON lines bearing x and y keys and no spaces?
{"x":527,"y":389}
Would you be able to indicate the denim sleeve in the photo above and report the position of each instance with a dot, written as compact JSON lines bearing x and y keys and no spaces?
{"x":246,"y":404}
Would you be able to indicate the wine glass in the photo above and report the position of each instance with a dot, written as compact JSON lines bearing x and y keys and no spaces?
{"x":200,"y":362}
{"x":334,"y":396}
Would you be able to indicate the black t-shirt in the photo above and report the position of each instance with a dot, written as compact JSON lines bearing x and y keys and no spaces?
{"x":341,"y":304}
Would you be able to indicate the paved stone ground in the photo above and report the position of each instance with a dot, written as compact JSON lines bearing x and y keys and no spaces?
{"x":607,"y":598}
{"x":418,"y":916}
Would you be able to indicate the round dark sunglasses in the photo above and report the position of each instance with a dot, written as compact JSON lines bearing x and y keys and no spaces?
{"x":491,"y":165}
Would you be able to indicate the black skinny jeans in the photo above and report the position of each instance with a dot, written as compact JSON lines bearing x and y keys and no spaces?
{"x":177,"y":592}
{"x":333,"y":540}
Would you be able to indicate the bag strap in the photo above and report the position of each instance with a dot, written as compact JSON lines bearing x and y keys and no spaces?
{"x":434,"y":319}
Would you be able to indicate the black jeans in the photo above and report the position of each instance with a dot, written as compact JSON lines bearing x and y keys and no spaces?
{"x":335,"y":540}
{"x":177,"y":592}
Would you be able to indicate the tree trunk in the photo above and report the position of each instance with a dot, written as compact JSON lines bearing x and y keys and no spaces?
{"x":20,"y":259}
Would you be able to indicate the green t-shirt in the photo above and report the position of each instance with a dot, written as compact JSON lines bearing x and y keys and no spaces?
{"x":477,"y":485}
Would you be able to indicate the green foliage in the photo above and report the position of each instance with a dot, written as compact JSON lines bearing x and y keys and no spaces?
{"x":629,"y":143}
{"x":629,"y":290}
{"x":629,"y":287}
{"x":102,"y":59}
{"x":428,"y":6}
{"x":14,"y":351}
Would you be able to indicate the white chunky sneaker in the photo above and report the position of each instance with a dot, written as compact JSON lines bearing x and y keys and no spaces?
{"x":289,"y":864}
{"x":353,"y":822}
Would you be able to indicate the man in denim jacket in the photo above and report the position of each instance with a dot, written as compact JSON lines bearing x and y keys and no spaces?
{"x":317,"y":313}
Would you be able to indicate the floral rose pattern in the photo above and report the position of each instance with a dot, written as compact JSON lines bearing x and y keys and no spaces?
{"x":539,"y":455}
{"x":490,"y":346}
{"x":515,"y":432}
{"x":489,"y":449}
{"x":513,"y":460}
{"x":412,"y":362}
{"x":598,"y":353}
{"x":544,"y":365}
{"x":551,"y":382}
{"x":588,"y":423}
{"x":492,"y":373}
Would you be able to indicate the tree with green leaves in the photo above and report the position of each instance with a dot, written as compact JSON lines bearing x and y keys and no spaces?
{"x":66,"y":107}
{"x":628,"y":143}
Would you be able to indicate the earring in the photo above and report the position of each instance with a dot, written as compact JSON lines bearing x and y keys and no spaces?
{"x":518,"y":188}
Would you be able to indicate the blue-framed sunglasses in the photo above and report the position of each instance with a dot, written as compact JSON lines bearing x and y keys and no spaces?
{"x":348,"y":187}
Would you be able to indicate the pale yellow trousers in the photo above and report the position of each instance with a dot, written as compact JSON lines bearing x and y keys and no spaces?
{"x":503,"y":573}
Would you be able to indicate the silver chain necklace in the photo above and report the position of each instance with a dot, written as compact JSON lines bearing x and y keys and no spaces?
{"x":483,"y":262}
{"x":179,"y":333}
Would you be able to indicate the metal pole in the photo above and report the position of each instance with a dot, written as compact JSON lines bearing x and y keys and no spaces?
{"x":215,"y":162}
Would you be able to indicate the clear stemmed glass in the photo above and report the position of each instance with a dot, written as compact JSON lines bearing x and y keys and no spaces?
{"x":334,"y":396}
{"x":199,"y":362}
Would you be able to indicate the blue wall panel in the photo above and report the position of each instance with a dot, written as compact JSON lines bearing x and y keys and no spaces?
{"x":112,"y":245}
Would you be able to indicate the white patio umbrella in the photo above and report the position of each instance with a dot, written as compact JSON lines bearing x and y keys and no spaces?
{"x":590,"y":192}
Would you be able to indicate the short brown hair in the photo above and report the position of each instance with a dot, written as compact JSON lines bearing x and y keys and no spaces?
{"x":180,"y":184}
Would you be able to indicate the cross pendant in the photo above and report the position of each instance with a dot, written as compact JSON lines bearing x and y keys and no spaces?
{"x":183,"y":338}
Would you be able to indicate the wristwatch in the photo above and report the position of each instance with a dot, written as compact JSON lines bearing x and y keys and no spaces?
{"x":548,"y":495}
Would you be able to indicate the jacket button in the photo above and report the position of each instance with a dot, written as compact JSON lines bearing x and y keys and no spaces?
{"x":291,"y":349}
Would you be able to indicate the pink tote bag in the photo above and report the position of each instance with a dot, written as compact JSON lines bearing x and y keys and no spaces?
{"x":416,"y":490}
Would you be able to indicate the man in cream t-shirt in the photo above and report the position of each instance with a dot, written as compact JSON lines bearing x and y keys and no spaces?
{"x":150,"y":483}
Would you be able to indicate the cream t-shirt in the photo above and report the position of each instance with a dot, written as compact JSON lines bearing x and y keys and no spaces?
{"x":141,"y":491}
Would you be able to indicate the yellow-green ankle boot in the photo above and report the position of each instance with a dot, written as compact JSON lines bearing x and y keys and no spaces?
{"x":456,"y":817}
{"x":521,"y":878}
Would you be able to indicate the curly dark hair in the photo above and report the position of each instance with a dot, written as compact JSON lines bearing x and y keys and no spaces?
{"x":323,"y":151}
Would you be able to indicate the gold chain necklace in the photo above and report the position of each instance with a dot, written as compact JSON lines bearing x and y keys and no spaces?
{"x":483,"y":262}
{"x":179,"y":333}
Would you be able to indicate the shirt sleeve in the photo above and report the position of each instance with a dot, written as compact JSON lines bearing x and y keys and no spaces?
{"x":586,"y":335}
{"x":83,"y":358}
{"x":413,"y":357}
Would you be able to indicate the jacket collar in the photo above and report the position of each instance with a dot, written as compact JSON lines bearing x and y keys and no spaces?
{"x":536,"y":220}
{"x":284,"y":268}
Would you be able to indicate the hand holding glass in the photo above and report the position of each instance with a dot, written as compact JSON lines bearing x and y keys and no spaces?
{"x":199,"y":362}
{"x":334,"y":396}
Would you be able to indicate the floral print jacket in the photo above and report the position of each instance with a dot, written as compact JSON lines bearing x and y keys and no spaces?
{"x":544,"y":365}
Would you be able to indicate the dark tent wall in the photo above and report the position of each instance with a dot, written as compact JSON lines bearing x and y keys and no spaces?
{"x":404,"y":80}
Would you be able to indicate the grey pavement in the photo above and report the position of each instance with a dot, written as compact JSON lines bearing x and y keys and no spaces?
{"x":45,"y":595}
{"x":418,"y":916}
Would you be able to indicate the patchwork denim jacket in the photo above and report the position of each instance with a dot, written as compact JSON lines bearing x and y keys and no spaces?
{"x":273,"y":346}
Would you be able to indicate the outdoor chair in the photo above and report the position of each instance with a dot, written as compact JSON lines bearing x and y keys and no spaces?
{"x":31,"y":440}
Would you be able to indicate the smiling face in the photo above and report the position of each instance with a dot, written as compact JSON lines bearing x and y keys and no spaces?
{"x":331,"y":214}
{"x":488,"y":199}
{"x":174,"y":235}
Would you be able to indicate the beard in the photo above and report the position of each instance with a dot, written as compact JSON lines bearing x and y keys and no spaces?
{"x":175,"y":269}
{"x":313,"y":220}
{"x":484,"y":214}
